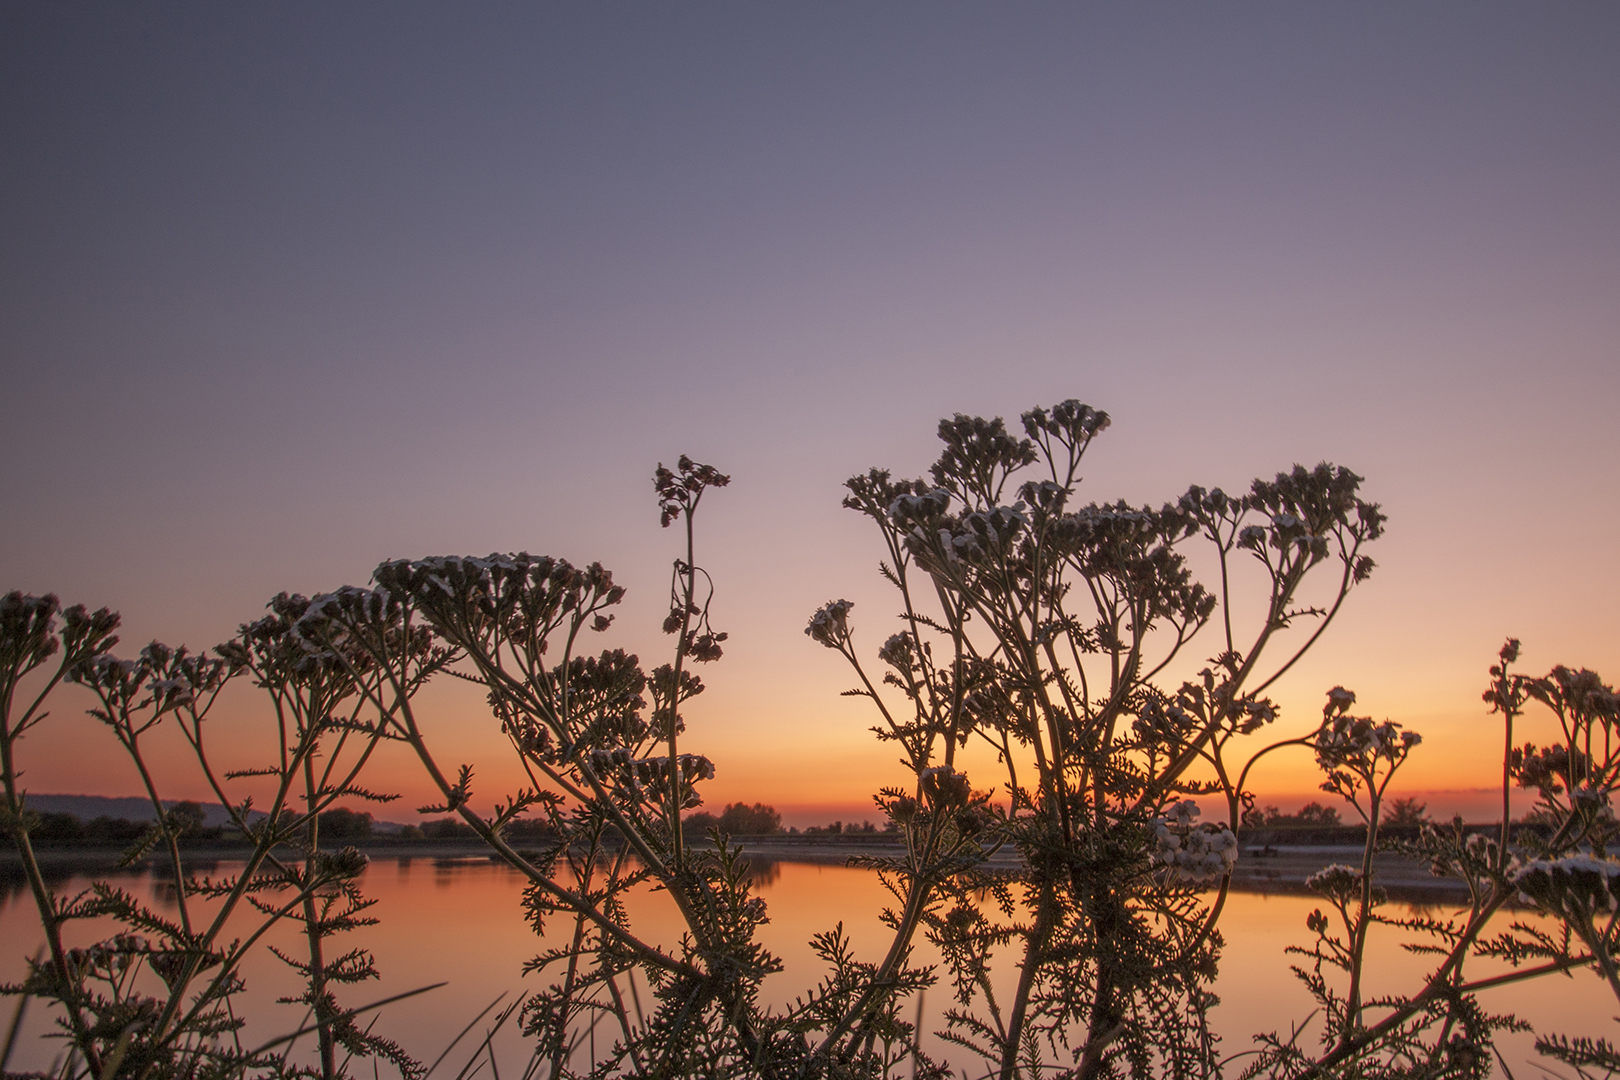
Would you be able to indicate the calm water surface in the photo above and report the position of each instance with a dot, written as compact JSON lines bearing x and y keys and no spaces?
{"x":458,"y":921}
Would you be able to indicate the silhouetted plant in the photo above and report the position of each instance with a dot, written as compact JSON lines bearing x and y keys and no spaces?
{"x":1441,"y":1029}
{"x":155,"y":1000}
{"x":1042,"y":628}
{"x":1029,"y":622}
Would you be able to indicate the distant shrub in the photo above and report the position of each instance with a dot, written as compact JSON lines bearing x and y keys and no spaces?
{"x":59,"y":828}
{"x":111,"y":831}
{"x":341,"y":824}
{"x":1407,"y":812}
{"x":530,"y":830}
{"x":448,"y":829}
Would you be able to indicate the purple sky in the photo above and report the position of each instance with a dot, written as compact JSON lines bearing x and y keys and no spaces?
{"x":285,"y":291}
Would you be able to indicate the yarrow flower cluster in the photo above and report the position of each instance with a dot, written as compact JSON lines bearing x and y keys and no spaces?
{"x":646,"y":778}
{"x":944,"y":787}
{"x":1358,"y":740}
{"x":897,"y":652}
{"x":915,"y":510}
{"x":1338,"y":882}
{"x":830,"y":624}
{"x":1583,"y":882}
{"x":170,"y":679}
{"x":1347,"y":737}
{"x":1195,"y":853}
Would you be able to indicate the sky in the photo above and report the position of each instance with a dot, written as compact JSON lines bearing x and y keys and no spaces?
{"x":289,"y":290}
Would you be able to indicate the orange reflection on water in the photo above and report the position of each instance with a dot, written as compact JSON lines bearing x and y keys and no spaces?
{"x":460,"y":922}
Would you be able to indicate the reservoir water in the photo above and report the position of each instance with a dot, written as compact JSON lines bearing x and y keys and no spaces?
{"x":458,"y":921}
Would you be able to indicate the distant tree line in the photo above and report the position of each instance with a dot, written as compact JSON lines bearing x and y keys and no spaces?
{"x":839,"y":828}
{"x":1401,"y":812}
{"x":69,"y":830}
{"x":61,"y":829}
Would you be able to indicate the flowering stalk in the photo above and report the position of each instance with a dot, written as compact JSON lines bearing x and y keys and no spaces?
{"x":1042,"y":638}
{"x":678,"y":496}
{"x":28,"y":639}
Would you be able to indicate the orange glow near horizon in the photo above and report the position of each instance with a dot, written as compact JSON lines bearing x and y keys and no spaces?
{"x":290,"y":292}
{"x":815,"y":767}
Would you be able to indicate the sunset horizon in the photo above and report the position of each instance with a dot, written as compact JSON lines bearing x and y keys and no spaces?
{"x":1071,"y":440}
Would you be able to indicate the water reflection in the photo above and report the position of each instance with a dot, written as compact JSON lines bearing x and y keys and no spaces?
{"x":459,"y":919}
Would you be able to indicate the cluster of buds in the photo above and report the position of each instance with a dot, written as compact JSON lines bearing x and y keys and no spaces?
{"x":944,"y":788}
{"x":902,"y":808}
{"x":1349,"y":738}
{"x":982,"y":531}
{"x":1158,"y":722}
{"x":525,"y":596}
{"x":106,"y":671}
{"x":1107,"y":538}
{"x":1581,"y":883}
{"x":1286,"y":531}
{"x":1195,"y":853}
{"x":1250,"y":714}
{"x":162,"y":680}
{"x":679,"y":492}
{"x":916,"y":509}
{"x":1046,"y":497}
{"x":1548,"y":770}
{"x":358,"y":623}
{"x":1593,"y":803}
{"x":830,"y":624}
{"x":1479,"y":854}
{"x":1357,"y":741}
{"x":897,"y":652}
{"x":1071,"y":419}
{"x":1306,"y":508}
{"x":293,"y":642}
{"x":28,"y":629}
{"x":946,"y":796}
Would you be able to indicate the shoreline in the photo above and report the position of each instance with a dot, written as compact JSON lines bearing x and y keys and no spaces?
{"x":1269,"y":869}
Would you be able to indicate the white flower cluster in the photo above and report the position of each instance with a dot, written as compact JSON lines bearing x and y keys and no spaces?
{"x":1582,"y":881}
{"x":830,"y":624}
{"x":1197,"y":854}
{"x":923,"y":518}
{"x":1357,"y":738}
{"x":1286,"y":529}
{"x":170,"y":692}
{"x":973,"y":535}
{"x":171,"y":677}
{"x":908,"y":510}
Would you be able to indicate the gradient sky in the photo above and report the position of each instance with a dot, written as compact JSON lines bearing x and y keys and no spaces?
{"x":285,"y":291}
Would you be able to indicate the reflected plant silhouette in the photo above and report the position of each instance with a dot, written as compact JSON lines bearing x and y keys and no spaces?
{"x":1042,"y":628}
